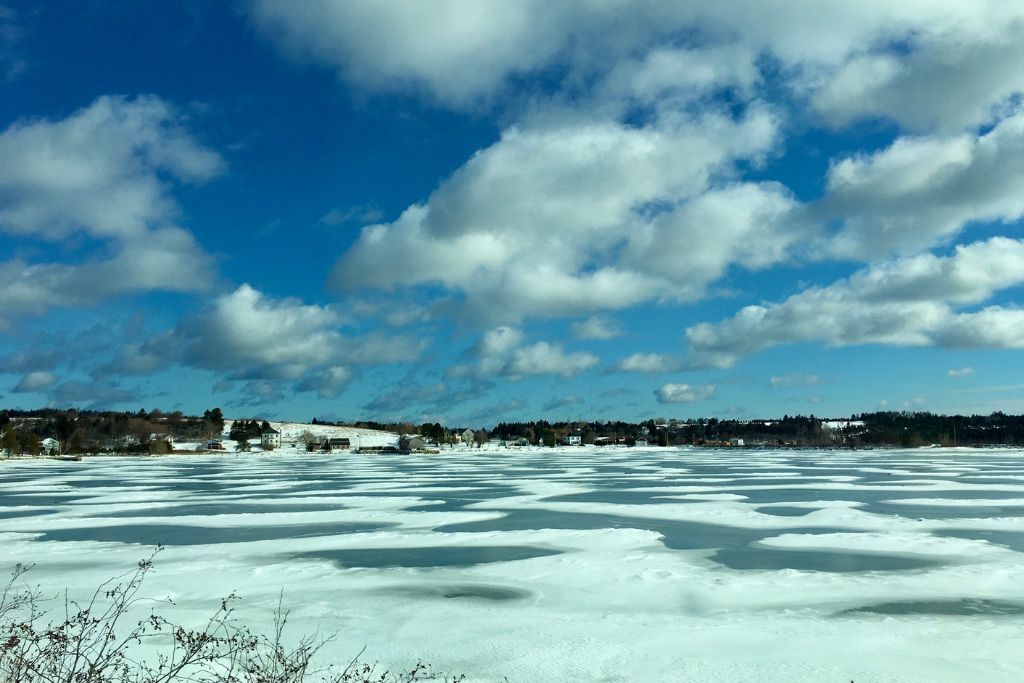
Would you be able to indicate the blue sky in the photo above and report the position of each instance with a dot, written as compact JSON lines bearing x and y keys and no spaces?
{"x":473,"y":212}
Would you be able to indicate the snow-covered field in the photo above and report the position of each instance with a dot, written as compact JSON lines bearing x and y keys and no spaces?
{"x":569,"y":564}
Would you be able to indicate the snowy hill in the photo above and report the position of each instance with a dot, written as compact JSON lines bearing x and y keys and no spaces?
{"x":292,"y":431}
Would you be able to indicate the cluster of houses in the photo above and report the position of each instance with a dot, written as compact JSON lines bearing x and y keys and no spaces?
{"x":576,"y":439}
{"x":47,"y":446}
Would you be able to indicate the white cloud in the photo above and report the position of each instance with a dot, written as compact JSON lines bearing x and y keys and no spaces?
{"x":992,"y":327}
{"x":101,"y":172}
{"x":940,"y":62}
{"x":543,"y":358}
{"x":458,"y":51}
{"x":944,"y":77}
{"x":246,"y":330}
{"x":251,"y":336}
{"x":960,"y":372}
{"x":607,"y":191}
{"x":501,"y":351}
{"x":684,"y":393}
{"x":39,"y":380}
{"x":649,"y":363}
{"x":597,"y":327}
{"x":921,"y":191}
{"x":905,"y":302}
{"x":555,"y":221}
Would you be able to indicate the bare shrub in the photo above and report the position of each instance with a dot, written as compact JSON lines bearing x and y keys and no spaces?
{"x":92,"y":643}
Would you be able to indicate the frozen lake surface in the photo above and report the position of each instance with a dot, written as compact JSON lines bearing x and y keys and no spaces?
{"x":569,"y":564}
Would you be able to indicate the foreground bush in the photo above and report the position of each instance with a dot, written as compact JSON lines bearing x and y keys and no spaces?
{"x":92,"y":643}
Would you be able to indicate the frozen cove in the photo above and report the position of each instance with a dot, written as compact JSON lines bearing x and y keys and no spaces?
{"x":569,"y":564}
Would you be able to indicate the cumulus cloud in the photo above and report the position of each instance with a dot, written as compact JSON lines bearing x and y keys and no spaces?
{"x":457,"y":51}
{"x":101,"y":172}
{"x":609,"y":191}
{"x":650,"y":363}
{"x":935,"y":63}
{"x":543,"y":358}
{"x":563,"y":219}
{"x":39,"y":380}
{"x":960,"y":372}
{"x":502,"y":351}
{"x":904,"y":302}
{"x":920,"y":191}
{"x":943,"y":77}
{"x":684,"y":393}
{"x":247,"y":335}
{"x":597,"y":327}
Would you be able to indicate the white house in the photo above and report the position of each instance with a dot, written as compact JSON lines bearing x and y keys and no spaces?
{"x":641,"y":443}
{"x":572,"y":440}
{"x":50,"y":446}
{"x":270,"y":438}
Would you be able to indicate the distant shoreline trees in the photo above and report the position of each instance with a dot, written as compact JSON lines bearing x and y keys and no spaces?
{"x":142,"y":432}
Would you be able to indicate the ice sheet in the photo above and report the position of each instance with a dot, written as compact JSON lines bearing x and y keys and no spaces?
{"x":596,"y":591}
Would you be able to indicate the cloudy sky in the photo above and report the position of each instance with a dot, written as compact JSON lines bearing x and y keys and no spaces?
{"x":479,"y":211}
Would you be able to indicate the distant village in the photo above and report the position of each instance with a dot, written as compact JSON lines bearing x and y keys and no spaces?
{"x":71,"y":432}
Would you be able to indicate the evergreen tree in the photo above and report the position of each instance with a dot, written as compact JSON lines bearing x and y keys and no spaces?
{"x":10,"y":442}
{"x":30,"y":444}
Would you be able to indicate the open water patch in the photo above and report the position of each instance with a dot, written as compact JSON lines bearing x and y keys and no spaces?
{"x":962,"y":607}
{"x":215,"y":509}
{"x":817,"y":560}
{"x":677,"y":535}
{"x":464,"y":591}
{"x":1014,"y":540}
{"x":30,"y":512}
{"x":784,"y":511}
{"x":181,"y":534}
{"x":426,"y":557}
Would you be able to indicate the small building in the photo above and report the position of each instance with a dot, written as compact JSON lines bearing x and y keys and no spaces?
{"x":410,"y":442}
{"x":337,"y":443}
{"x":641,"y":443}
{"x":735,"y":442}
{"x":572,"y":440}
{"x":50,"y":447}
{"x":214,"y":445}
{"x":270,"y":438}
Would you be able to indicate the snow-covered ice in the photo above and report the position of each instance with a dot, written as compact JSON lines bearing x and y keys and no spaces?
{"x":568,"y":564}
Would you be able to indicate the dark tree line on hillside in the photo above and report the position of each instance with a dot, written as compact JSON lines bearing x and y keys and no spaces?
{"x":889,"y":428}
{"x":89,"y":431}
{"x":92,"y":431}
{"x":877,"y":429}
{"x":243,"y":430}
{"x":922,"y":429}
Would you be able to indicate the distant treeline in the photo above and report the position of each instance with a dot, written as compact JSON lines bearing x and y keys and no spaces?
{"x":94,"y":431}
{"x":888,"y":428}
{"x":91,"y":431}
